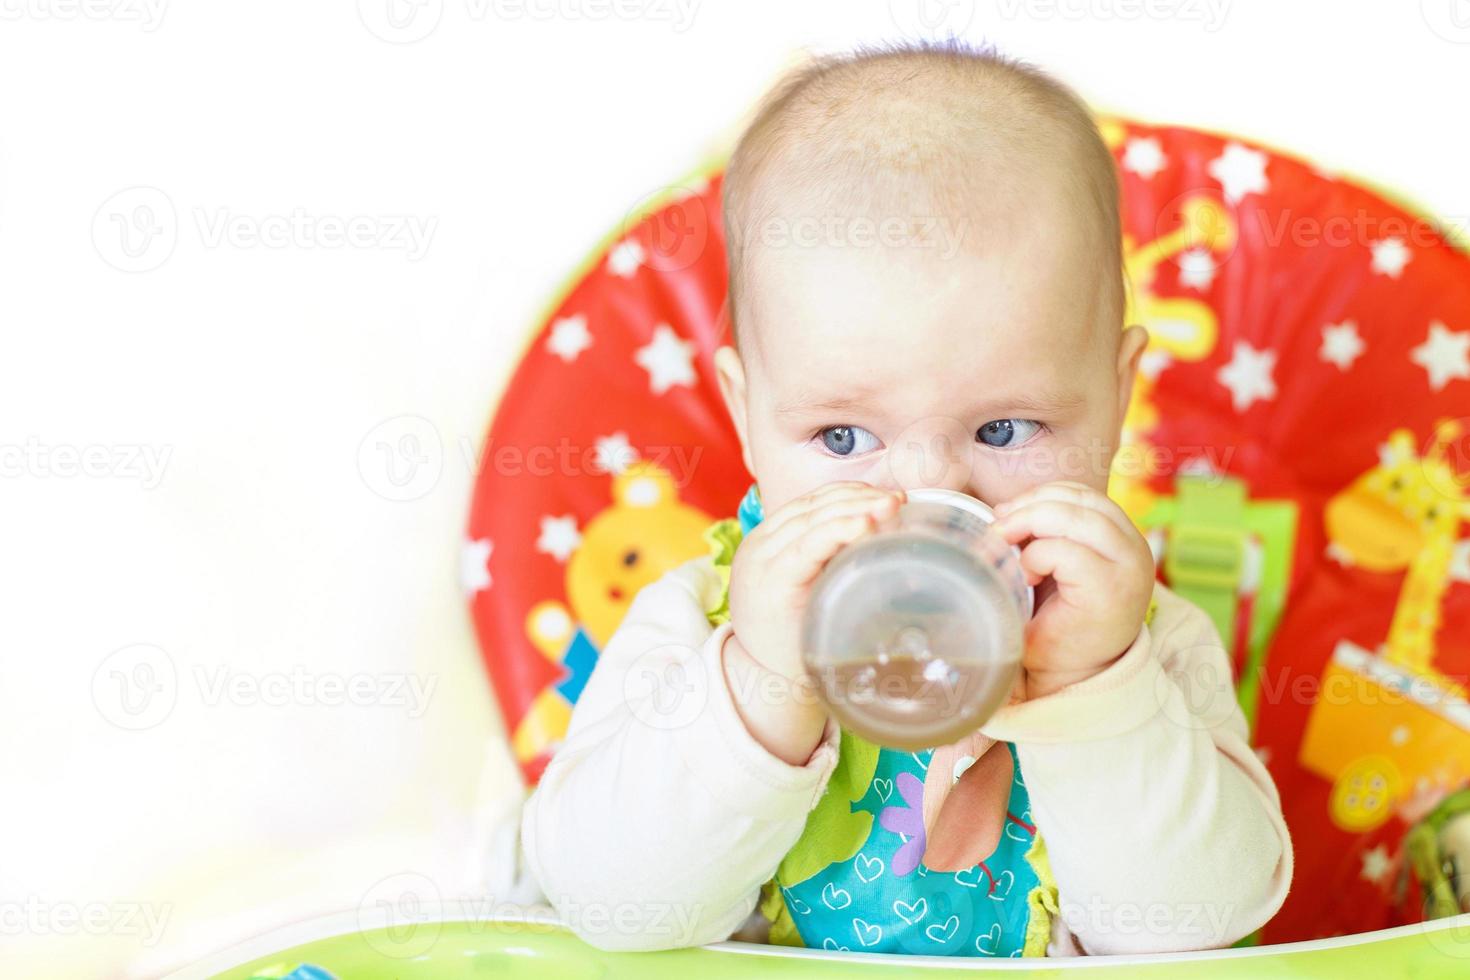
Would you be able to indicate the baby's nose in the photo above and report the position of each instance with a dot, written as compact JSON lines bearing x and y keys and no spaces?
{"x":933,"y":452}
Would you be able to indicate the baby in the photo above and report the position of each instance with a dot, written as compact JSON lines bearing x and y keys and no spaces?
{"x":926,"y":289}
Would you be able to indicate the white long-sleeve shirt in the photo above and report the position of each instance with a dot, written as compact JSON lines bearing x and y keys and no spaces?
{"x":660,"y":816}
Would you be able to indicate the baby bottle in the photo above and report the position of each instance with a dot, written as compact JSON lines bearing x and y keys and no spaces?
{"x":914,"y":634}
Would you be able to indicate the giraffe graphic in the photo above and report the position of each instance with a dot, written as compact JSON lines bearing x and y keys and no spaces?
{"x":1391,"y":727}
{"x":1180,"y":329}
{"x":1405,"y":513}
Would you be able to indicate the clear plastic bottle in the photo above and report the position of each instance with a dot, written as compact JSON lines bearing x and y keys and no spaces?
{"x":914,"y":634}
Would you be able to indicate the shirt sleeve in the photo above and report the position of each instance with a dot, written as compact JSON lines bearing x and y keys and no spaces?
{"x":659,"y":816}
{"x":1163,"y":829}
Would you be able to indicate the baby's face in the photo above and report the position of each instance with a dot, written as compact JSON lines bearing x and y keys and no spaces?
{"x":990,"y":370}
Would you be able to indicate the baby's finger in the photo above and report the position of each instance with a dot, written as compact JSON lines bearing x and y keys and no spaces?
{"x":852,"y":499}
{"x":1054,"y":519}
{"x":799,"y":506}
{"x":801,"y":560}
{"x":1072,"y":493}
{"x":1070,"y":564}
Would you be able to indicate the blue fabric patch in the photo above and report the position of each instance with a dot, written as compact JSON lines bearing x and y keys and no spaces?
{"x":750,"y":512}
{"x":579,"y":660}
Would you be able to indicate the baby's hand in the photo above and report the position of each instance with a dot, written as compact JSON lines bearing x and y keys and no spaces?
{"x":1101,"y":578}
{"x":770,"y":585}
{"x":773,"y":570}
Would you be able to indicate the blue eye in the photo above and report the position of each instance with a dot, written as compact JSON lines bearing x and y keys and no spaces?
{"x":1007,"y":433}
{"x":848,"y":440}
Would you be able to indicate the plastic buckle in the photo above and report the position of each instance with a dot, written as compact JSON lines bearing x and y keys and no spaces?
{"x":1205,"y":558}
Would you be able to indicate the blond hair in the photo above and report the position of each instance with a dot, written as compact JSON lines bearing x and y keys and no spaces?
{"x":955,"y":124}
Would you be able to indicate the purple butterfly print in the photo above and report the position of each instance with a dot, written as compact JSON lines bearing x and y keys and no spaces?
{"x":908,"y":820}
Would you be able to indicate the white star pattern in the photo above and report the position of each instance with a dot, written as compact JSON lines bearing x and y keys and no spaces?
{"x":1144,"y":156}
{"x":559,"y":537}
{"x":553,"y":622}
{"x":1153,"y":362}
{"x":1339,"y":554}
{"x":613,"y":454}
{"x":1197,"y":269}
{"x":625,"y":258}
{"x":668,"y":360}
{"x":1460,"y":562}
{"x":1389,"y":455}
{"x":1389,"y":257}
{"x":1445,"y":355}
{"x":474,"y":565}
{"x":1376,"y":865}
{"x":1240,"y":171}
{"x":1341,"y":344}
{"x":641,"y":491}
{"x":569,"y":337}
{"x":1248,"y":375}
{"x":1198,"y":466}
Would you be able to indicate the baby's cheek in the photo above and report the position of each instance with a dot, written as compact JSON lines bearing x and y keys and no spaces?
{"x":783,"y":474}
{"x":1006,"y":474}
{"x":999,"y":476}
{"x":997,"y":484}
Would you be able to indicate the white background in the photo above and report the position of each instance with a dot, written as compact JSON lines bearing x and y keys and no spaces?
{"x":262,"y":542}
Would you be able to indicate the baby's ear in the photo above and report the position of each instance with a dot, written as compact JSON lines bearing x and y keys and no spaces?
{"x":731,"y":374}
{"x":1130,"y":351}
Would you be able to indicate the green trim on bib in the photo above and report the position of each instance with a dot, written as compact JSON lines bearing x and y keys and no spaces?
{"x":1045,"y":905}
{"x":723,"y":537}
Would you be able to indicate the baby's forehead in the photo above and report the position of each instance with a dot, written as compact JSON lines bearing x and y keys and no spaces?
{"x":913,"y":149}
{"x":899,"y":318}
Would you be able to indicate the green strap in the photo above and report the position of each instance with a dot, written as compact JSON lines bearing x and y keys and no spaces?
{"x":1205,"y":560}
{"x":1210,"y":521}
